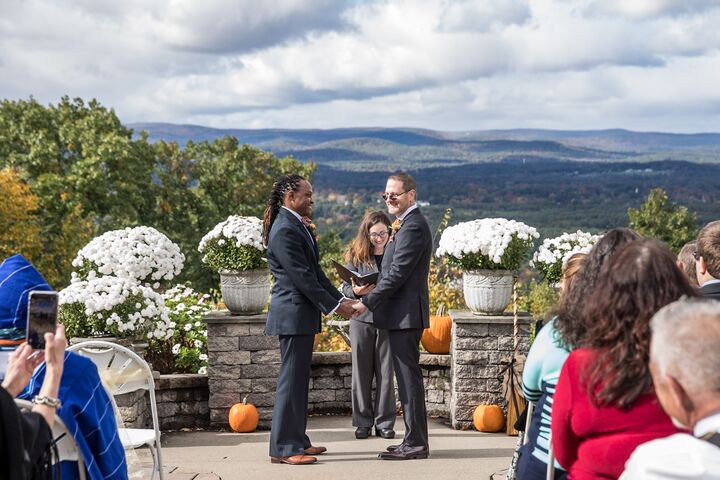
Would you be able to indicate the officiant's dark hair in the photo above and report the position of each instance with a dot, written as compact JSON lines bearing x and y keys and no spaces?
{"x":284,"y":184}
{"x":361,"y":249}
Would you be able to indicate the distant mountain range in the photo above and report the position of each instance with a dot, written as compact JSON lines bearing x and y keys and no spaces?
{"x":382,"y":149}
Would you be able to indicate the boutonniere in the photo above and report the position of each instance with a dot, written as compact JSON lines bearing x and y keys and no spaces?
{"x":307,"y":221}
{"x":395,"y":228}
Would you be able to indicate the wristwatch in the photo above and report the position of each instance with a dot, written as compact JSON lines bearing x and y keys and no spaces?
{"x":49,"y":401}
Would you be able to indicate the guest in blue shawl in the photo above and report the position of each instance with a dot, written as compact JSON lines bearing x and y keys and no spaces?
{"x":86,"y":408}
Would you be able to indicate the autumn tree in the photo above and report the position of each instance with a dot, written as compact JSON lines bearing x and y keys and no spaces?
{"x":19,"y":226}
{"x":657,"y":217}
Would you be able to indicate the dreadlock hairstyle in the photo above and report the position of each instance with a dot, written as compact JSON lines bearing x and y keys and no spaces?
{"x":284,"y":184}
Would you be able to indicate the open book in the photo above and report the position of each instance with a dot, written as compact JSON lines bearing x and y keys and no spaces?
{"x":348,"y":275}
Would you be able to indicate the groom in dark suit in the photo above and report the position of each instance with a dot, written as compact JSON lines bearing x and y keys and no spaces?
{"x":300,"y":294}
{"x":400,"y":304}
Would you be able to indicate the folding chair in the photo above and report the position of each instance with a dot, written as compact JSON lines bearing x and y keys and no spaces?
{"x":123,"y":371}
{"x":66,"y":446}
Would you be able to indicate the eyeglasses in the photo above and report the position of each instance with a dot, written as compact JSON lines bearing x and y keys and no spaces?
{"x":393,"y":196}
{"x":378,"y":235}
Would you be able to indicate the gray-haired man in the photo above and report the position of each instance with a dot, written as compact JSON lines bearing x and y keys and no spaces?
{"x":684,"y":360}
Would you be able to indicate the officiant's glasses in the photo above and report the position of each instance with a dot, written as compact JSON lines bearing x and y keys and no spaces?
{"x":392,"y":196}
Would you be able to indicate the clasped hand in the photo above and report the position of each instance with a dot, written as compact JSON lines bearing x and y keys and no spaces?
{"x":350,"y":308}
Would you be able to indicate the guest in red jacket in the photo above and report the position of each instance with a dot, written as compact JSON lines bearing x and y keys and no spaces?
{"x":604,"y":404}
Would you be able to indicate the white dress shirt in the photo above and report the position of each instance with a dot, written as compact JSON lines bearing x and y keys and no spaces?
{"x":405,"y":213}
{"x":679,"y":456}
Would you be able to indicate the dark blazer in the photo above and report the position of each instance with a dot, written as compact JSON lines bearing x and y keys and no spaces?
{"x":711,"y":291}
{"x":401,"y":299}
{"x":301,"y":290}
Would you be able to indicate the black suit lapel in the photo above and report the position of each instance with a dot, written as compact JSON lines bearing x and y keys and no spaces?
{"x":304,"y":232}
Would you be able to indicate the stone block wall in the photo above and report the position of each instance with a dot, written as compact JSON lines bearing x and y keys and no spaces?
{"x":245,"y":362}
{"x":182,"y":402}
{"x":480,"y":345}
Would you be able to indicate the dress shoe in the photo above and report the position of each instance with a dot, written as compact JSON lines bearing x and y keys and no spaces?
{"x":394,"y":448}
{"x":385,"y":432}
{"x":315,"y":450}
{"x":362,"y":432}
{"x":294,"y":460}
{"x":405,"y":453}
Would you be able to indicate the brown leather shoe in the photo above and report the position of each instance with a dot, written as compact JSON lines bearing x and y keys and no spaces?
{"x":315,"y":450}
{"x":294,"y":460}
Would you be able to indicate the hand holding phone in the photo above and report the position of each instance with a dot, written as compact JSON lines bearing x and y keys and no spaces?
{"x":42,"y":317}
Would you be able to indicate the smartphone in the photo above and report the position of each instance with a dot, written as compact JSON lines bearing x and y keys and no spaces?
{"x":42,"y":317}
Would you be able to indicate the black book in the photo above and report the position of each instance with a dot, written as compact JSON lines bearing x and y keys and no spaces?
{"x":349,"y":275}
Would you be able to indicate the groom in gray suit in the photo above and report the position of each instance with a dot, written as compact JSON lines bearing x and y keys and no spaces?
{"x":300,"y":294}
{"x":400,"y":304}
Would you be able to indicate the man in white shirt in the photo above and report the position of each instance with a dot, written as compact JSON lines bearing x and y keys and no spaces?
{"x":707,"y":264}
{"x":684,"y":361}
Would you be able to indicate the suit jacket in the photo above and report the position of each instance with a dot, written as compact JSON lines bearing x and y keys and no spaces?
{"x":401,"y":299}
{"x":711,"y":291}
{"x":346,"y":288}
{"x":301,"y":290}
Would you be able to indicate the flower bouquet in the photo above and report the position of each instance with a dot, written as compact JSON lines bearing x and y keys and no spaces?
{"x":487,"y":250}
{"x":116,"y":307}
{"x":234,"y":248}
{"x":551,"y":256}
{"x":141,"y":254}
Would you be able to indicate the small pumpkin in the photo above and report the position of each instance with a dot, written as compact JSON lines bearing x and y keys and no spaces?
{"x":436,"y":338}
{"x":488,"y":418}
{"x":243,"y":417}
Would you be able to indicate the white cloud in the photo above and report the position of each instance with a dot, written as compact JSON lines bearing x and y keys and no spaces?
{"x":435,"y":63}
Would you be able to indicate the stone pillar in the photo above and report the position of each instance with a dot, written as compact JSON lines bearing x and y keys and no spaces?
{"x":242,"y":361}
{"x":479,"y":346}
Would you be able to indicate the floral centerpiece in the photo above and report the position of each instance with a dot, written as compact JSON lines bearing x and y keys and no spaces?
{"x":114,"y":306}
{"x":235,"y":250}
{"x":552,"y":255}
{"x":186,"y":350}
{"x":141,"y":254}
{"x":488,"y":250}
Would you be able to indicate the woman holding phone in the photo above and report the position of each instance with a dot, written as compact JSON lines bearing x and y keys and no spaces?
{"x":370,"y":346}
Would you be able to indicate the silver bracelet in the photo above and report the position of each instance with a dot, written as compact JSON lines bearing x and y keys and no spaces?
{"x":49,"y":401}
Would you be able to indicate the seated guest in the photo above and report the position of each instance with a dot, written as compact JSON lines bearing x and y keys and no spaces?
{"x":86,"y":409}
{"x":686,"y":262}
{"x":570,"y":323}
{"x":604,"y":404}
{"x":25,"y":438}
{"x":684,"y":359}
{"x":707,"y":259}
{"x":540,"y":374}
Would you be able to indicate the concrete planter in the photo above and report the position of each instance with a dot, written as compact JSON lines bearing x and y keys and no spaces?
{"x":487,"y":292}
{"x":245,"y":292}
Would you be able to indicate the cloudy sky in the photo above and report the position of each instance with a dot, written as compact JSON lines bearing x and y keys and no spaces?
{"x":448,"y":65}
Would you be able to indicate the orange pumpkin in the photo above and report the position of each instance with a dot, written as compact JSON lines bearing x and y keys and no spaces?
{"x":436,"y":339}
{"x":244,"y":417}
{"x":488,"y":418}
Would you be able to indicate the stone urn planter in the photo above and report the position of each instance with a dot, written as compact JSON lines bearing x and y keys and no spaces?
{"x":245,"y":292}
{"x":487,"y":292}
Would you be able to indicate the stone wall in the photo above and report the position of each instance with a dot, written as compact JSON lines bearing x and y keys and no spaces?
{"x":245,"y":362}
{"x":182,"y":402}
{"x":480,"y":345}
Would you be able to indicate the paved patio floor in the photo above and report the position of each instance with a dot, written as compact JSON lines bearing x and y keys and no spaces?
{"x":453,"y":455}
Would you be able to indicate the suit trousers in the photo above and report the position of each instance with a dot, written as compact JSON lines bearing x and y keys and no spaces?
{"x":371,"y":357}
{"x":289,"y":419}
{"x":404,"y":345}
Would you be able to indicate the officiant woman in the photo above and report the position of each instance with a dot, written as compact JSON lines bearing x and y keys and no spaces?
{"x":370,"y":346}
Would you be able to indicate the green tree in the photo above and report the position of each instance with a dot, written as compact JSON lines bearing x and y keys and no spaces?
{"x":657,"y":217}
{"x":199,"y":186}
{"x":83,"y":165}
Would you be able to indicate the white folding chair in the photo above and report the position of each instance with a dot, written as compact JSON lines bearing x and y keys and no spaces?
{"x":550,"y":474}
{"x":123,"y":371}
{"x":66,"y":446}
